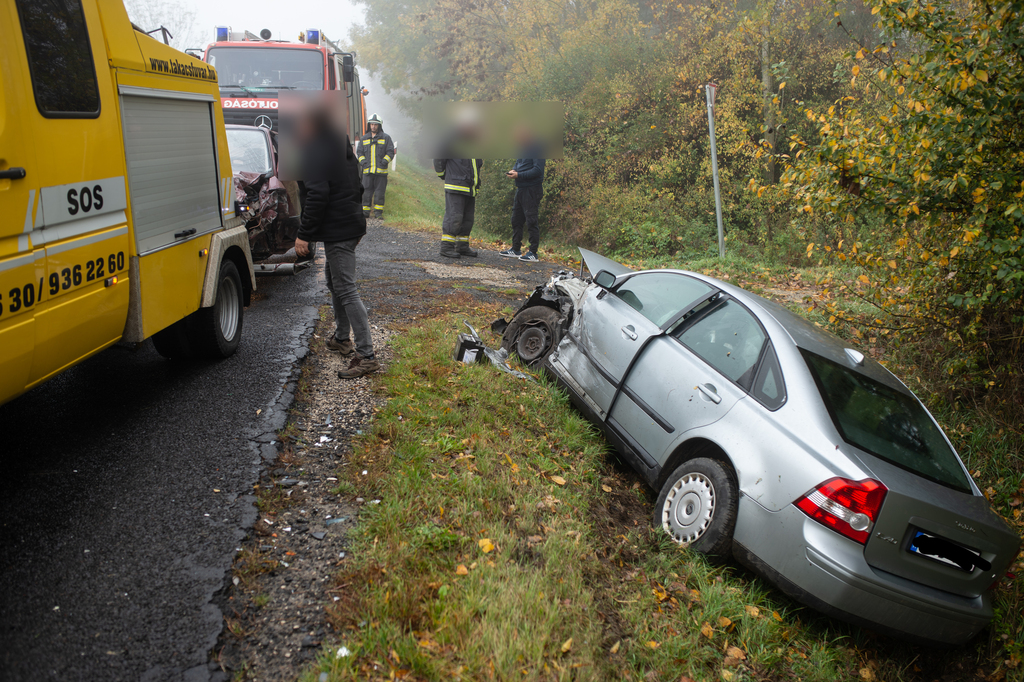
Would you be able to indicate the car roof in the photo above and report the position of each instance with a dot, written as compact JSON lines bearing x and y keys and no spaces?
{"x":803,"y":333}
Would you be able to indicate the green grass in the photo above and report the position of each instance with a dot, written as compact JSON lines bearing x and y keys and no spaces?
{"x":415,"y":198}
{"x":464,"y":459}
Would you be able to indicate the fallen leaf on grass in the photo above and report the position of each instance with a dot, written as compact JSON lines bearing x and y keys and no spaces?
{"x":615,"y":647}
{"x":567,"y":645}
{"x":485,"y":545}
{"x":606,"y":488}
{"x":752,"y":611}
{"x":776,"y":616}
{"x":727,"y":675}
{"x":461,"y":570}
{"x":736,"y":652}
{"x":707,"y":630}
{"x":653,"y":645}
{"x":867,"y":674}
{"x":558,"y":479}
{"x":724,"y":622}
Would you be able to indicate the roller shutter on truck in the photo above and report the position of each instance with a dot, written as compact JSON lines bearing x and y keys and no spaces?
{"x":171,"y":154}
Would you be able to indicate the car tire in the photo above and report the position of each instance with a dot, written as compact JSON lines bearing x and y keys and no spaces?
{"x":533,"y":334}
{"x":697,"y":507}
{"x":216,"y":331}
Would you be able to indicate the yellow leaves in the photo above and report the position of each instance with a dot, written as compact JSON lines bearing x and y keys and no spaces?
{"x":651,"y":644}
{"x":557,"y":480}
{"x":777,"y":616}
{"x":892,"y":264}
{"x":615,"y":647}
{"x":831,"y":319}
{"x":866,"y":674}
{"x":461,"y":570}
{"x":752,"y":611}
{"x":915,"y":209}
{"x":876,"y":9}
{"x":606,"y":488}
{"x":925,"y":256}
{"x":782,"y":85}
{"x":863,"y":279}
{"x":860,"y":53}
{"x":661,"y":594}
{"x":707,"y":630}
{"x":954,"y":252}
{"x":807,"y":209}
{"x":724,"y":622}
{"x":855,"y":70}
{"x":567,"y":646}
{"x":485,"y":544}
{"x":736,"y":653}
{"x":982,"y":76}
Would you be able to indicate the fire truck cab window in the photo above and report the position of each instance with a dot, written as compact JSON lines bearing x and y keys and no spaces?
{"x":274,"y":68}
{"x":59,"y":58}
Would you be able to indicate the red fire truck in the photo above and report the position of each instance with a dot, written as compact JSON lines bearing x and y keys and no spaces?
{"x":253,"y":69}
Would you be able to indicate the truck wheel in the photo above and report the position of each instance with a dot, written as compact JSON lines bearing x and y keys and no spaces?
{"x":173,"y":342}
{"x":216,"y":331}
{"x":533,"y":334}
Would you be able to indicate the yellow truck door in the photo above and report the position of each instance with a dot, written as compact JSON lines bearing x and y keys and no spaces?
{"x":17,"y":203}
{"x":79,"y":233}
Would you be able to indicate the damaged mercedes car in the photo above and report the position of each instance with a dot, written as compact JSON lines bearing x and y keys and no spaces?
{"x":772,"y":441}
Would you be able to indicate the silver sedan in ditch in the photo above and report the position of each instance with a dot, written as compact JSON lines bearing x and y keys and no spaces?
{"x":774,"y":442}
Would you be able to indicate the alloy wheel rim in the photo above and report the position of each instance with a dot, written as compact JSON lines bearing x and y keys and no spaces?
{"x":689,"y":508}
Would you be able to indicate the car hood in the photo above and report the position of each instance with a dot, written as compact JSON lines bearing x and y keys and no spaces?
{"x":595,"y":262}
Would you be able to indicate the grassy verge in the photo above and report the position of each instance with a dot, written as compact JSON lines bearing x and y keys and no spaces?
{"x":507,"y":544}
{"x":415,"y":198}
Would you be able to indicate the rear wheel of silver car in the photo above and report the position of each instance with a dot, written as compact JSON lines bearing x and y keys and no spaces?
{"x":697,"y":507}
{"x":533,"y":334}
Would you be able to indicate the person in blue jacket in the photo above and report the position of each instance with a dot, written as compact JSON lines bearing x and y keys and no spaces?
{"x":529,"y":178}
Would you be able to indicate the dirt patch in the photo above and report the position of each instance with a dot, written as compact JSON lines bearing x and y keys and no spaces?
{"x":481,"y":273}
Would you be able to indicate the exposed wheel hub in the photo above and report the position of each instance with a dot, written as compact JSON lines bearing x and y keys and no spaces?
{"x":689,"y":508}
{"x":533,"y":342}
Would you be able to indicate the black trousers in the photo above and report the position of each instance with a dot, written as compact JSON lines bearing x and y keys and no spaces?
{"x":374,"y":187}
{"x":525,"y":208}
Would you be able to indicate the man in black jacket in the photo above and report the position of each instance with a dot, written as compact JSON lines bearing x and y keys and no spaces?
{"x":529,"y":177}
{"x":332,"y":214}
{"x":461,"y":184}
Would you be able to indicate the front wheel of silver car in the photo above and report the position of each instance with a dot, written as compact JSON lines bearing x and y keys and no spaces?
{"x":697,"y":507}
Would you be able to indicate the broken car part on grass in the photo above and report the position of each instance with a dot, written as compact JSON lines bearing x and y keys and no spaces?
{"x":771,"y":441}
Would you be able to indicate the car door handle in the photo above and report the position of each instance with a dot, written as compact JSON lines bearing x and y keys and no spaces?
{"x":711,"y":392}
{"x":16,"y":173}
{"x":629,"y":331}
{"x":185,"y":233}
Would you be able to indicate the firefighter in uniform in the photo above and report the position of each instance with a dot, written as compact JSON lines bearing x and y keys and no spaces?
{"x":461,"y":184}
{"x":375,"y":151}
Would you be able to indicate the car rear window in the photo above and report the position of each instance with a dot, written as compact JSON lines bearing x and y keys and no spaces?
{"x":887,"y":423}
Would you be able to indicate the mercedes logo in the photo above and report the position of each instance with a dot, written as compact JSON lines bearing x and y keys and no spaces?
{"x":264,"y":122}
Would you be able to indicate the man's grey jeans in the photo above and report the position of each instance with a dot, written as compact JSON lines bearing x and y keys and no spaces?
{"x":349,"y":311}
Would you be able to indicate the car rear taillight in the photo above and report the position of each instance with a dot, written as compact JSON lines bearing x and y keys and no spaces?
{"x":847,"y":507}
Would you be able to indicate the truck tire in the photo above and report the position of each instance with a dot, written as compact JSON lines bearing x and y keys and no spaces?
{"x":173,"y":342}
{"x":215,"y":332}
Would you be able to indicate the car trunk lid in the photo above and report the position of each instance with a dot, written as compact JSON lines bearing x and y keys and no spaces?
{"x":937,"y":536}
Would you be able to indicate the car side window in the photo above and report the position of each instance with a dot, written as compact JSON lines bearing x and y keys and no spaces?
{"x":59,"y":58}
{"x":729,"y":339}
{"x":769,"y":388}
{"x":659,"y":296}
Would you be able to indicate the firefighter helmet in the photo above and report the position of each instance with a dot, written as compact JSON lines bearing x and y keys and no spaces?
{"x":376,"y":119}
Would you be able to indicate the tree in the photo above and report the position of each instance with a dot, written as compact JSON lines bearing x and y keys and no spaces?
{"x":935,"y":151}
{"x":176,"y":16}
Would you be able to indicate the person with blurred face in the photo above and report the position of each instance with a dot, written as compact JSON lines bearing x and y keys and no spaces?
{"x":375,"y":151}
{"x":332,"y":214}
{"x":461,"y":184}
{"x":529,"y":178}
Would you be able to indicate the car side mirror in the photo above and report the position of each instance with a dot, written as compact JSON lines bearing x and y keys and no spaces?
{"x":604,"y":279}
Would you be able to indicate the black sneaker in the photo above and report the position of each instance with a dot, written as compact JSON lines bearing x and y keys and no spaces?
{"x":510,"y":253}
{"x":529,"y":257}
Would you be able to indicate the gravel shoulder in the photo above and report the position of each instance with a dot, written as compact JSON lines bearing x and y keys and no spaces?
{"x":274,"y":600}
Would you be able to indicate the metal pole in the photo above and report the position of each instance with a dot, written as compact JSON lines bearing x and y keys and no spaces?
{"x":714,"y":170}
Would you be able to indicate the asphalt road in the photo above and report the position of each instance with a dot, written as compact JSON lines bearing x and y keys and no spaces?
{"x":126,"y":481}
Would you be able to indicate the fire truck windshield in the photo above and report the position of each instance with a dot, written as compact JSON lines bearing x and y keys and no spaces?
{"x":273,"y":68}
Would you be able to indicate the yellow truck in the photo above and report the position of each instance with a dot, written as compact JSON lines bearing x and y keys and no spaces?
{"x":117,"y":214}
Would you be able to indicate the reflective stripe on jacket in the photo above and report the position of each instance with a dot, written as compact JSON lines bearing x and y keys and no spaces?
{"x":461,"y":176}
{"x":375,"y":152}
